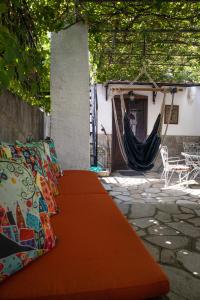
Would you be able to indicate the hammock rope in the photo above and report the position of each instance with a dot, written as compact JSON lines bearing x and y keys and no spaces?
{"x":119,"y":136}
{"x":144,"y":71}
{"x":169,"y":116}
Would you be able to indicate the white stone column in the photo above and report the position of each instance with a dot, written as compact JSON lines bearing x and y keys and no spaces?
{"x":70,"y":96}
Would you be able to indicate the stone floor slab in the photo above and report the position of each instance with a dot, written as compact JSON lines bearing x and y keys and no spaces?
{"x":183,"y":284}
{"x":107,"y":187}
{"x":142,"y":210}
{"x":170,"y":208}
{"x":183,"y":216}
{"x":185,"y":228}
{"x":197,"y":211}
{"x":123,"y":198}
{"x":176,"y":192}
{"x":144,"y":222}
{"x":198,"y":244}
{"x":187,"y":204}
{"x":141,"y":232}
{"x":190,"y":260}
{"x":154,"y":251}
{"x":186,"y":210}
{"x":195,"y":221}
{"x":136,"y":196}
{"x":168,"y":242}
{"x":168,"y":257}
{"x":119,"y":189}
{"x":162,"y":230}
{"x":113,"y":193}
{"x":163,"y":217}
{"x":152,"y":190}
{"x":173,"y":296}
{"x":124,"y":208}
{"x":126,"y":193}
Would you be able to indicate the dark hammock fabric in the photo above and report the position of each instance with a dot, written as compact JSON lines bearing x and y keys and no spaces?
{"x":141,"y":154}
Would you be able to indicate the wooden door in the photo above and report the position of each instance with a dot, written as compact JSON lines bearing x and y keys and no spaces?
{"x":137,"y":111}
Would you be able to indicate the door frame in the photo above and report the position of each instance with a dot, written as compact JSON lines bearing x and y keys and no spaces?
{"x":114,"y":135}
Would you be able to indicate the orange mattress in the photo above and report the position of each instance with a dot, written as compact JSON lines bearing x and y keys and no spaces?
{"x":80,"y":182}
{"x":98,"y":256}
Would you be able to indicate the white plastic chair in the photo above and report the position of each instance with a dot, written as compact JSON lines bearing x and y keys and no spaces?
{"x":172,"y":165}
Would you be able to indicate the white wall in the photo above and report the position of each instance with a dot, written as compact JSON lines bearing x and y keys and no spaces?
{"x":70,"y":96}
{"x":104,"y":110}
{"x":189,"y":110}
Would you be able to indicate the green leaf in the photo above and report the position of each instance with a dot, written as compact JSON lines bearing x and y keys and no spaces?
{"x":4,"y":78}
{"x":3,"y":7}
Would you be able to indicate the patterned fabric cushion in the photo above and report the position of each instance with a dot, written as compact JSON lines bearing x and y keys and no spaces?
{"x":25,"y":230}
{"x":30,"y":157}
{"x":39,"y":147}
{"x":5,"y":151}
{"x":50,"y":151}
{"x":53,"y":156}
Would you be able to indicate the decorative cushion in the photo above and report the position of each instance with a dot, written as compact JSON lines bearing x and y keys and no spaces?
{"x":53,"y":156}
{"x":5,"y":151}
{"x":30,"y":157}
{"x":25,"y":229}
{"x":50,"y":151}
{"x":39,"y":147}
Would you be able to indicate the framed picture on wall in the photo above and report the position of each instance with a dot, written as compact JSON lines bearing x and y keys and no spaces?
{"x":174,"y":114}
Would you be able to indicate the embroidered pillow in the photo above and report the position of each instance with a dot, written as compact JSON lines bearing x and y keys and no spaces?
{"x":25,"y":229}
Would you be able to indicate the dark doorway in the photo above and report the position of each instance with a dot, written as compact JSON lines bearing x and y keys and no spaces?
{"x":137,"y":110}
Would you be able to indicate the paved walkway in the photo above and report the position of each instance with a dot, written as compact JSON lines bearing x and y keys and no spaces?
{"x":168,"y":222}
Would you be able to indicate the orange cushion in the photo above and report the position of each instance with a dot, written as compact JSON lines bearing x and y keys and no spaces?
{"x":76,"y":182}
{"x":98,"y":256}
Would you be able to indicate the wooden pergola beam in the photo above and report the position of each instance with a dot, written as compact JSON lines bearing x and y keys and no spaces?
{"x":135,"y":1}
{"x":151,"y":54}
{"x":159,"y":30}
{"x":144,"y":89}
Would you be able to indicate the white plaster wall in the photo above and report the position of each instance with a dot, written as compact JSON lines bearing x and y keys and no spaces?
{"x":104,"y":110}
{"x":70,"y":96}
{"x":189,"y":110}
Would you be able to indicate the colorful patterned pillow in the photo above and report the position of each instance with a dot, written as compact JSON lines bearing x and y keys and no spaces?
{"x":5,"y":151}
{"x":53,"y":156}
{"x":45,"y":162}
{"x":50,"y":151}
{"x":31,"y":158}
{"x":25,"y":230}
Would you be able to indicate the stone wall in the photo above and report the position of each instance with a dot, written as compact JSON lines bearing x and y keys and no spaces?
{"x":18,"y":119}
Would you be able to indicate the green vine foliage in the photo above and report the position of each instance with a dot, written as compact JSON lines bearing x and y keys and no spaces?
{"x":122,"y":35}
{"x":22,"y":59}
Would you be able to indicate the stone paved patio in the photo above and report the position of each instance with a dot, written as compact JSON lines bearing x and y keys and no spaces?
{"x":168,"y":222}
